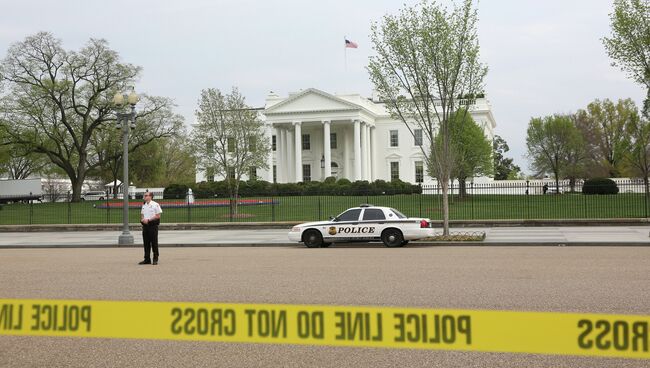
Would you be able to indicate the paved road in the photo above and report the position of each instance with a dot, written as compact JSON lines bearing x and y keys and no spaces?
{"x":581,"y":279}
{"x":610,"y":235}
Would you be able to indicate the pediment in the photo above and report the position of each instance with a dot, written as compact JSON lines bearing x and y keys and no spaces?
{"x":311,"y":100}
{"x":394,"y":156}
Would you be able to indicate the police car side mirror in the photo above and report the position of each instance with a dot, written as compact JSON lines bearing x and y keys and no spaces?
{"x":333,"y":218}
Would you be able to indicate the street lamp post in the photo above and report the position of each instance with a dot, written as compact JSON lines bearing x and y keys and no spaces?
{"x":127,"y":121}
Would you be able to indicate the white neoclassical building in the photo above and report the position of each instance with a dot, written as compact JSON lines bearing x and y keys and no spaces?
{"x":315,"y":135}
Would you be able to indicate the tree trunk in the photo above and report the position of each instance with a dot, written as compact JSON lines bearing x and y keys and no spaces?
{"x":445,"y":207}
{"x":462,"y":187}
{"x":77,"y":184}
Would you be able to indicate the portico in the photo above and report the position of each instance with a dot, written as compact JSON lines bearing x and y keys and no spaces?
{"x":312,"y":132}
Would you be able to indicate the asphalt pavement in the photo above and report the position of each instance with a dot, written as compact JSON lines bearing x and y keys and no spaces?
{"x":568,"y":279}
{"x":551,"y":235}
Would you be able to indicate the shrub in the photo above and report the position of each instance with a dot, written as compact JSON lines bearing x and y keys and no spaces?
{"x":599,"y":186}
{"x":175,"y":191}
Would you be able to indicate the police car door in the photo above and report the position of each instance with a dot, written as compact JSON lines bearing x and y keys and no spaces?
{"x":346,"y":225}
{"x":372,"y":223}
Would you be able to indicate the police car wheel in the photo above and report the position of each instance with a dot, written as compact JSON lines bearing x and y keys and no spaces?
{"x":312,"y":239}
{"x":392,"y":238}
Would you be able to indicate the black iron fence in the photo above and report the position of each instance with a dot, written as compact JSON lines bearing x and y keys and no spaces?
{"x":487,"y":201}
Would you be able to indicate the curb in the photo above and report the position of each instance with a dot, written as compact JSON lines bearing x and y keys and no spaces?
{"x":341,"y":246}
{"x":289,"y":224}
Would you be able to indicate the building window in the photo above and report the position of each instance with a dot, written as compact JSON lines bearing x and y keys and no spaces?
{"x":417,"y":135}
{"x":252,"y":144}
{"x":275,"y":174}
{"x":394,"y":170}
{"x":231,"y":144}
{"x":306,"y":142}
{"x":210,"y":146}
{"x":252,"y":173}
{"x":333,"y":143}
{"x":306,"y":173}
{"x":209,"y":174}
{"x":231,"y":173}
{"x":394,"y":138}
{"x":419,"y":172}
{"x":274,"y":143}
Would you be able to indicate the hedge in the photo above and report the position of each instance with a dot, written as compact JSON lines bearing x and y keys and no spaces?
{"x":330,"y":186}
{"x":599,"y":186}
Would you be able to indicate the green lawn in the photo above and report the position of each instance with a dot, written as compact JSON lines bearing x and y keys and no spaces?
{"x":304,"y":208}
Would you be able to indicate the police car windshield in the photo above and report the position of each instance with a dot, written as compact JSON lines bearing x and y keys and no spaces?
{"x":398,"y":213}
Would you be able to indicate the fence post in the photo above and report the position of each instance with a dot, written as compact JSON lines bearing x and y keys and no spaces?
{"x":420,"y":201}
{"x":231,"y":209}
{"x":319,"y":210}
{"x":272,"y":210}
{"x":527,"y":199}
{"x":108,"y":209}
{"x":31,"y":209}
{"x":645,"y":185}
{"x":189,"y":210}
{"x":472,"y":197}
{"x":69,"y":208}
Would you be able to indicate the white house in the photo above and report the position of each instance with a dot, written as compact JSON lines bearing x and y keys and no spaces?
{"x":315,"y":134}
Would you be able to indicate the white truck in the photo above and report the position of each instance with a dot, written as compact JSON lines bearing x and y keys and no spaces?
{"x":20,"y":190}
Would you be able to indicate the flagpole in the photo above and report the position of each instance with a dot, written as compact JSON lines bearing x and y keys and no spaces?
{"x":345,"y":54}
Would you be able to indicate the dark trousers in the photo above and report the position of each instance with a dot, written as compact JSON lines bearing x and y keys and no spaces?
{"x":150,"y":240}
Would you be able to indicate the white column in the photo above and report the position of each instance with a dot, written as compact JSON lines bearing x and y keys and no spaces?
{"x":298,"y":149}
{"x":269,"y":159}
{"x":327,"y":151}
{"x":364,"y":151}
{"x":357,"y":150}
{"x":281,"y":157}
{"x":367,"y":150}
{"x":347,"y":147}
{"x":373,"y":154}
{"x":290,"y":152}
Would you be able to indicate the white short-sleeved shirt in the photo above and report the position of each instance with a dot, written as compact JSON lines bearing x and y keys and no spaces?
{"x":149,"y":210}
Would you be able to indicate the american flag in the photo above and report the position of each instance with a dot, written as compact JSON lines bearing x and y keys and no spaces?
{"x":350,"y":44}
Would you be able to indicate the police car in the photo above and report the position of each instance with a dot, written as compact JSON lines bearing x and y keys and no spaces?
{"x":365,"y":223}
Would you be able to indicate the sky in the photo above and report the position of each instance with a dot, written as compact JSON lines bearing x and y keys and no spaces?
{"x":544,"y":57}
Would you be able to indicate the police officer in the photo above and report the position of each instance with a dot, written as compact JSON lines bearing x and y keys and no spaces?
{"x":150,"y":219}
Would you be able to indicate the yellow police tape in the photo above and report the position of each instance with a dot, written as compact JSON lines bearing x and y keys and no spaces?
{"x":386,"y":327}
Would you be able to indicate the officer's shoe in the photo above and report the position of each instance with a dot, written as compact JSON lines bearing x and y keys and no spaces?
{"x":155,"y":261}
{"x":146,"y":261}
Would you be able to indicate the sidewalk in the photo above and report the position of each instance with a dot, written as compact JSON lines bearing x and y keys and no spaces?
{"x":495,"y":236}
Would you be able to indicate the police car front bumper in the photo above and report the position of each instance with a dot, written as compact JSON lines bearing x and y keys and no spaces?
{"x":295,"y":234}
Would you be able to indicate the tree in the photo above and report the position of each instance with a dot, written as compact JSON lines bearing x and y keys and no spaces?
{"x":57,"y":100}
{"x":160,"y":124}
{"x":554,"y":145}
{"x":470,"y":147}
{"x":20,"y":164}
{"x":602,"y":126}
{"x":229,"y":138}
{"x":427,"y":56}
{"x":638,"y":156}
{"x":504,"y":168}
{"x":629,"y":44}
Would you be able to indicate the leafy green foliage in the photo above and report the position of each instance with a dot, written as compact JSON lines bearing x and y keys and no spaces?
{"x":555,"y":146}
{"x":250,"y":188}
{"x":599,"y":186}
{"x":504,"y":168}
{"x":602,"y":126}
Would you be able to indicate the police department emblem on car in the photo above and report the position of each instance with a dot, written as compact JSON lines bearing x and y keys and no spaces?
{"x":366,"y":223}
